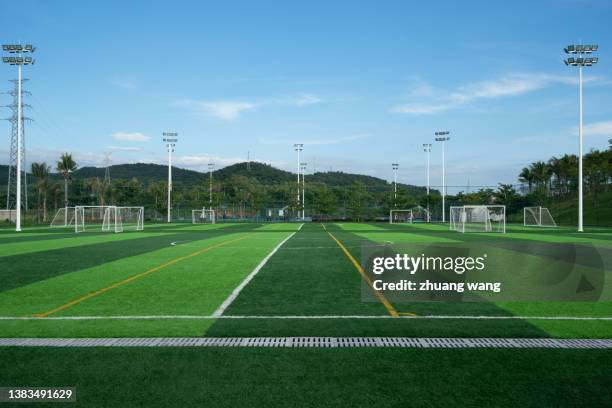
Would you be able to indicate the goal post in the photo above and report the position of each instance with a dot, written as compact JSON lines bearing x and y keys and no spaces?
{"x":129,"y":219}
{"x":64,"y":217}
{"x":478,"y":218}
{"x":203,"y":216}
{"x":108,"y":218}
{"x":538,"y":217}
{"x":400,"y":216}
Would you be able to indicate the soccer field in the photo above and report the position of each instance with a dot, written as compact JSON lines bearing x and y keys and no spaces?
{"x":256,"y":280}
{"x":286,"y":280}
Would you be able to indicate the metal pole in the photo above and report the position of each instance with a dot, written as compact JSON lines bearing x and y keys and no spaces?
{"x":303,"y":191}
{"x":428,"y":151}
{"x":19,"y":113}
{"x":298,"y":180}
{"x":169,"y":181}
{"x":580,"y":191}
{"x":395,"y":167}
{"x":443,"y":184}
{"x":395,"y":186}
{"x":210,"y":167}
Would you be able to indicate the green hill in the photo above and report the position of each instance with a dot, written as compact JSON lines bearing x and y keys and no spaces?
{"x":263,"y":173}
{"x":145,"y":172}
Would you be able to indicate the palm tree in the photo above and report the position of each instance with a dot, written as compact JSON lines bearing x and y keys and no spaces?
{"x":41,"y":172}
{"x":66,"y":165}
{"x":526,"y":176}
{"x":540,"y":173}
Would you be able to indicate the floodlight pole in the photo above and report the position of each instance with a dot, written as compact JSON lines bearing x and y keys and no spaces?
{"x":580,"y":153}
{"x":303,"y":168}
{"x":19,"y":141}
{"x":427,"y":149}
{"x":170,"y":138}
{"x":19,"y":60}
{"x":298,"y":148}
{"x":395,"y":166}
{"x":210,"y":169}
{"x":580,"y":62}
{"x":443,"y":139}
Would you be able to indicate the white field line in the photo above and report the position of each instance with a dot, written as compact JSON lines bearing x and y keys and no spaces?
{"x":300,"y":227}
{"x":248,"y":279}
{"x":300,"y":317}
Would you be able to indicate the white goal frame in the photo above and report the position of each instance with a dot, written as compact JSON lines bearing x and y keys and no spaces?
{"x":493,"y":218}
{"x":111,"y":218}
{"x":391,"y":212}
{"x":536,"y":213}
{"x":64,"y":217}
{"x":198,"y":215}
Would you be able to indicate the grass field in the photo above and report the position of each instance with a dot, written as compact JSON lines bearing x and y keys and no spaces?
{"x":182,"y":280}
{"x":170,"y":280}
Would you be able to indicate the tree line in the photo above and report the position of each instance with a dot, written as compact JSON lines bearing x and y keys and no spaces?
{"x":242,"y":196}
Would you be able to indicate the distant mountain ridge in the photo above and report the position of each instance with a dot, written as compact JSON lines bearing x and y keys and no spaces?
{"x":264,"y":173}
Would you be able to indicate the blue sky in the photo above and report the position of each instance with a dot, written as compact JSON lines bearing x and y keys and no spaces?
{"x":361,"y":84}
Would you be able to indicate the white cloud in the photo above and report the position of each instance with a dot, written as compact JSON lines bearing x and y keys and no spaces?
{"x":124,"y":148}
{"x":432,"y":101}
{"x":320,"y":141}
{"x":226,"y":110}
{"x":603,"y":128}
{"x":122,"y":83}
{"x":307,"y":99}
{"x":231,"y":110}
{"x":130,"y":137}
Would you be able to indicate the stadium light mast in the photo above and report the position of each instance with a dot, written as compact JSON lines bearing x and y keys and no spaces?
{"x":427,"y":149}
{"x":298,"y":148}
{"x":303,"y":168}
{"x":443,"y":137}
{"x":580,"y":61}
{"x":210,"y":170}
{"x":395,"y":166}
{"x":20,"y":61}
{"x":170,"y":138}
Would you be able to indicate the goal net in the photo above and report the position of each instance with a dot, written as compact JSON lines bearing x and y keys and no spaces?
{"x":108,"y":218}
{"x":400,"y":217}
{"x":420,"y":214}
{"x":203,"y":216}
{"x":478,"y":218}
{"x":64,"y":217}
{"x":538,"y":217}
{"x":129,"y":219}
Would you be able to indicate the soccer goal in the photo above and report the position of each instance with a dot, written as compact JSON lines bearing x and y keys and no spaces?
{"x":538,"y":217}
{"x":203,"y":216}
{"x":420,"y":214}
{"x":64,"y":217}
{"x":400,"y":217}
{"x":478,"y":218}
{"x":129,"y":219}
{"x":108,"y":218}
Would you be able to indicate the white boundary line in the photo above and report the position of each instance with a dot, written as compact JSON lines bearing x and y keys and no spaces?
{"x":300,"y":317}
{"x":248,"y":279}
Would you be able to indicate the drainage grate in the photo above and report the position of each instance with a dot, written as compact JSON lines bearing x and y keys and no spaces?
{"x":311,"y":342}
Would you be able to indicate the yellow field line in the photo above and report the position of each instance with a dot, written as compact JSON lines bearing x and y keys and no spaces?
{"x":365,"y":277}
{"x":134,"y":277}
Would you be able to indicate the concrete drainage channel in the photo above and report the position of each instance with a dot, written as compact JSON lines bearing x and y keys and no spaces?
{"x":311,"y":342}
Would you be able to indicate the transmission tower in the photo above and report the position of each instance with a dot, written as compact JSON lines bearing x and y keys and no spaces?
{"x":11,"y":196}
{"x":107,"y":161}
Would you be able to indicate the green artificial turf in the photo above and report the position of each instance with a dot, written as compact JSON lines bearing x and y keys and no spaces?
{"x":232,"y":377}
{"x":43,"y":269}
